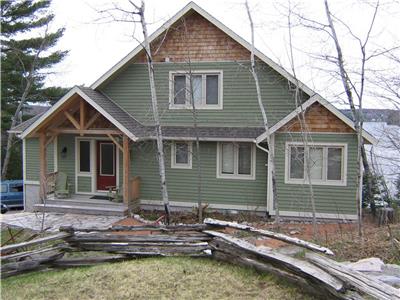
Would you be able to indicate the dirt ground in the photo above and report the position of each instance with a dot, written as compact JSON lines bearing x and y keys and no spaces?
{"x":342,"y":238}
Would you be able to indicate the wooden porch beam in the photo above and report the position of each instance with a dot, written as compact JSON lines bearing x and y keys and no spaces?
{"x":50,"y":140}
{"x":92,"y":120}
{"x":72,"y":120}
{"x":86,"y":131}
{"x":115,"y":142}
{"x":82,"y":115}
{"x":126,"y":166}
{"x":42,"y":165}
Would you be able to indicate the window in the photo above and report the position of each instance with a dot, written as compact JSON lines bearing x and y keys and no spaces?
{"x":236,"y":160}
{"x":181,"y":155}
{"x":16,"y":188}
{"x":107,"y":159}
{"x":84,"y":156}
{"x":4,"y":188}
{"x":327,"y":164}
{"x":205,"y":88}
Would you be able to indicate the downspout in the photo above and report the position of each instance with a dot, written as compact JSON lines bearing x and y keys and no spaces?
{"x":266,"y":151}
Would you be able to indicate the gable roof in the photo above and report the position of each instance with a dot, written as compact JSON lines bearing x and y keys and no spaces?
{"x":134,"y":129}
{"x":316,"y":98}
{"x":108,"y":108}
{"x":218,"y":24}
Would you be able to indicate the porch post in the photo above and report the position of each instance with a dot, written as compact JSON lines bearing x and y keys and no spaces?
{"x":126,"y":166}
{"x":43,"y":165}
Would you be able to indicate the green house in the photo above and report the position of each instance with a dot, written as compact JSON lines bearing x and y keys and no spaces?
{"x":103,"y":136}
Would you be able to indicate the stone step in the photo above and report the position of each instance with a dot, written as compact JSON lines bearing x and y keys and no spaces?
{"x":84,"y":202}
{"x":81,"y":209}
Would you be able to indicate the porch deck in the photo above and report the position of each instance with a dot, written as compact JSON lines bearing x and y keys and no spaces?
{"x":82,"y":204}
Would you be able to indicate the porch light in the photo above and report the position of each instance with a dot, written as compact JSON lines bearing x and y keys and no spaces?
{"x":64,"y":152}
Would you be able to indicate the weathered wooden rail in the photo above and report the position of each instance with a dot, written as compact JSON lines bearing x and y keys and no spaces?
{"x":314,"y":272}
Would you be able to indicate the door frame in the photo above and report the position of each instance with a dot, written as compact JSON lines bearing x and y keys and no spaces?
{"x":93,"y":164}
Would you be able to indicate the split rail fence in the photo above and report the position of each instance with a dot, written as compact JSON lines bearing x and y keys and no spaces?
{"x":315,"y":272}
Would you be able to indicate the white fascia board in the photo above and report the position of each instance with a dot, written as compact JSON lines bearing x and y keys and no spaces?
{"x":49,"y":112}
{"x":219,"y":25}
{"x":307,"y":104}
{"x":365,"y":134}
{"x":73,"y":91}
{"x":136,"y":51}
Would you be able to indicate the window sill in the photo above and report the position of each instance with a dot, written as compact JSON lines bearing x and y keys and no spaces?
{"x":84,"y":174}
{"x":189,"y":107}
{"x":187,"y":167}
{"x":236,"y":177}
{"x":326,"y":183}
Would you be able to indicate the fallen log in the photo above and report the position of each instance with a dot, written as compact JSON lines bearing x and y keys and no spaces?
{"x":105,"y":237}
{"x":128,"y":248}
{"x":15,"y":268}
{"x":28,"y":254}
{"x":270,"y":234}
{"x":88,"y":261}
{"x":144,"y":227}
{"x":293,"y":265}
{"x":13,"y":247}
{"x":358,"y":280}
{"x":297,"y":280}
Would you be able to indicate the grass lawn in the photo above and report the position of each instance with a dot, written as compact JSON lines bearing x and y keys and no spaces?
{"x":152,"y":278}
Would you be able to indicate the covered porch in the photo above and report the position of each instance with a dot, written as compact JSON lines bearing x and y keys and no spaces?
{"x":91,"y":156}
{"x":79,"y":203}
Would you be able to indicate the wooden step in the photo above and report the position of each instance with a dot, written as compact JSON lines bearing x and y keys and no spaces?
{"x":84,"y":202}
{"x":106,"y":210}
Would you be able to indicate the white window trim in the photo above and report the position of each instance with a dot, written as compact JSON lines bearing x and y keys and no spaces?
{"x":221,"y":175}
{"x":78,"y":157}
{"x":324,"y":181}
{"x":188,"y":105}
{"x":93,"y":174}
{"x":174,"y":164}
{"x":113,"y":161}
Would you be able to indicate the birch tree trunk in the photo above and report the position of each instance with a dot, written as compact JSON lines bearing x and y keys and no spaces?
{"x":160,"y":147}
{"x":264,"y":116}
{"x":10,"y":137}
{"x":29,"y":82}
{"x":303,"y":128}
{"x":356,"y":116}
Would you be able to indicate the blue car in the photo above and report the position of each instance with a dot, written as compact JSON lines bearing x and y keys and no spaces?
{"x":12,"y":193}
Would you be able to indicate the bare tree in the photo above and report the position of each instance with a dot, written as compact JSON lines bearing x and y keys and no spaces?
{"x":388,"y":82}
{"x":353,"y":82}
{"x":350,"y":87}
{"x":195,"y":127}
{"x":303,"y":125}
{"x":264,"y":116}
{"x":31,"y":71}
{"x":129,"y":16}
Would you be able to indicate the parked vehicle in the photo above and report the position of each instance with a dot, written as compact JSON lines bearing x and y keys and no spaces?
{"x":4,"y":208}
{"x":12,"y":193}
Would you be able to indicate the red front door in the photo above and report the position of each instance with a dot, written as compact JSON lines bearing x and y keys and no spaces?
{"x":106,"y":165}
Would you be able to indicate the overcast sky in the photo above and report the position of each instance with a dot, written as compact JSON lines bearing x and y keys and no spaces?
{"x":96,"y":46}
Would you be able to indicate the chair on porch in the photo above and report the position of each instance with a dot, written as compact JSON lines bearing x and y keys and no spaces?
{"x":61,"y":186}
{"x":114,"y":193}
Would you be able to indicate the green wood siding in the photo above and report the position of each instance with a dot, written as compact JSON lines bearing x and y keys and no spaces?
{"x":182,"y":183}
{"x":32,"y":163}
{"x":328,"y":199}
{"x":130,"y":89}
{"x":84,"y":184}
{"x":67,"y":164}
